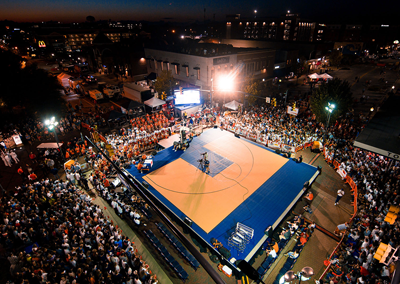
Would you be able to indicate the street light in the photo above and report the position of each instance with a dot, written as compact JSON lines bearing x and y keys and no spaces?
{"x":330,"y":109}
{"x":303,"y":275}
{"x":225,"y":84}
{"x":212,"y":91}
{"x":51,"y":123}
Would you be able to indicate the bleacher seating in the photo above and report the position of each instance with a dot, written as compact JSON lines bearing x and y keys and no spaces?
{"x":166,"y":255}
{"x":174,"y":241}
{"x":266,"y":264}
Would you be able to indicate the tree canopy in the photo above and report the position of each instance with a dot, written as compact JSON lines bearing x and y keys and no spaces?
{"x":27,"y":87}
{"x":335,"y":58}
{"x":165,"y":82}
{"x":336,"y":92}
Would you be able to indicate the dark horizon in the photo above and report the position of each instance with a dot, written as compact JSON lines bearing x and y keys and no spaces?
{"x":182,"y":11}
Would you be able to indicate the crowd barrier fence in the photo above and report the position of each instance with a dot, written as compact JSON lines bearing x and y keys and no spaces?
{"x":348,"y":179}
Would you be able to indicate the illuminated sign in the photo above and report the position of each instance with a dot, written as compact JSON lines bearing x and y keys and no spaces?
{"x":396,"y":42}
{"x":221,"y":60}
{"x":41,"y":43}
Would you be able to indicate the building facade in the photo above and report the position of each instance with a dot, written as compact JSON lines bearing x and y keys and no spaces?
{"x":203,"y":70}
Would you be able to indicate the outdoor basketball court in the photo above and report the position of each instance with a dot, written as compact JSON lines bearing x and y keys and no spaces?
{"x":247,"y":183}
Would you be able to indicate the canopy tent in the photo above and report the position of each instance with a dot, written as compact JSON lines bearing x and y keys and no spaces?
{"x":326,"y":76}
{"x":154,"y":102}
{"x":314,"y":76}
{"x":152,"y":76}
{"x":234,"y":105}
{"x":49,"y":145}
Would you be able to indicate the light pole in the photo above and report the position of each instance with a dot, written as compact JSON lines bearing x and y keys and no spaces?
{"x":211,"y":93}
{"x":51,"y":123}
{"x":330,"y":109}
{"x":305,"y":274}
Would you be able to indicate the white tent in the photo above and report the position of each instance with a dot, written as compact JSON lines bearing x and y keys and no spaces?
{"x":326,"y":76}
{"x":314,"y":76}
{"x":234,"y":105}
{"x":154,"y":102}
{"x":49,"y":145}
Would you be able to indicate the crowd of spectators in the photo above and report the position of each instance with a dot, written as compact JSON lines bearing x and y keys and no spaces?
{"x":51,"y":215}
{"x":378,"y":187}
{"x":57,"y":235}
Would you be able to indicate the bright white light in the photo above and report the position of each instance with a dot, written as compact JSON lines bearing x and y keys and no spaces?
{"x":182,"y":37}
{"x":51,"y":127}
{"x":393,"y":87}
{"x":47,"y":122}
{"x":225,"y":83}
{"x":255,"y":11}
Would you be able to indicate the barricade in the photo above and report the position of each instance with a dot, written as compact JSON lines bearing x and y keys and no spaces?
{"x":336,"y":164}
{"x":354,"y":192}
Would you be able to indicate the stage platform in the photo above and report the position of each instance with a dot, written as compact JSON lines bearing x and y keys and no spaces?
{"x":247,"y":183}
{"x":169,"y":142}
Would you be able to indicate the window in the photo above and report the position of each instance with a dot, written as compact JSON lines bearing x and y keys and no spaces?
{"x":177,"y":69}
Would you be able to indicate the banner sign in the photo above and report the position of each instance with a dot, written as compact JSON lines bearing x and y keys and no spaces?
{"x":272,"y":144}
{"x":292,"y":111}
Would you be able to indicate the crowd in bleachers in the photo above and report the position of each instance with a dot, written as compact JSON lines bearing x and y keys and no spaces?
{"x":57,"y":235}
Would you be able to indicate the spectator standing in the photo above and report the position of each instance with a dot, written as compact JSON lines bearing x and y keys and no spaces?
{"x":14,"y":157}
{"x":32,"y":157}
{"x":21,"y":173}
{"x":340,"y":194}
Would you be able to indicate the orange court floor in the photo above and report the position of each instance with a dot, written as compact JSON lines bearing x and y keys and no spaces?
{"x":206,"y":199}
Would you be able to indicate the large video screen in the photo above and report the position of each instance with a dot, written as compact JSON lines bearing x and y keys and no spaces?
{"x":188,"y":96}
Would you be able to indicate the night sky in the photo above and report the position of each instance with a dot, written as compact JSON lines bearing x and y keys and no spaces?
{"x":189,"y":10}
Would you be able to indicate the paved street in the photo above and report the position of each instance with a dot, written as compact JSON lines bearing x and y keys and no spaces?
{"x":374,"y":92}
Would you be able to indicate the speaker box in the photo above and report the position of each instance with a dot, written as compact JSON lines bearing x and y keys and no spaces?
{"x":319,"y":169}
{"x":237,"y":135}
{"x":145,"y":184}
{"x":278,"y":151}
{"x":306,"y":184}
{"x":249,"y":270}
{"x":188,"y":222}
{"x":215,"y":126}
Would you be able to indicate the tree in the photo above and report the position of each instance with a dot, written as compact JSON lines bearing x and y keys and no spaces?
{"x":336,"y":92}
{"x":90,"y":19}
{"x":252,"y":87}
{"x":335,"y":58}
{"x":165,"y":82}
{"x":28,"y":87}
